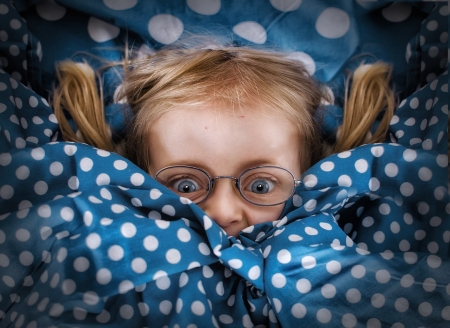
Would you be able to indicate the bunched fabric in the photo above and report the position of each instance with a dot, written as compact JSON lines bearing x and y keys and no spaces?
{"x":88,"y":239}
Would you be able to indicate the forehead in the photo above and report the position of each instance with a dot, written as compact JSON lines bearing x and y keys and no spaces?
{"x":211,"y":137}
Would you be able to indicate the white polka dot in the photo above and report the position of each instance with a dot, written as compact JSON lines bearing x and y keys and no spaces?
{"x":378,"y":300}
{"x":120,"y":4}
{"x":91,"y":298}
{"x":41,"y":188}
{"x":361,"y":165}
{"x":382,"y":276}
{"x":101,"y":31}
{"x":310,"y":205}
{"x":125,"y":286}
{"x":406,"y":189}
{"x":15,"y":24}
{"x":56,"y":310}
{"x":103,"y":276}
{"x":303,"y":285}
{"x":173,"y":256}
{"x":432,"y":25}
{"x":283,"y":5}
{"x":165,"y":28}
{"x":429,"y":284}
{"x":204,"y":7}
{"x":3,"y":9}
{"x":50,"y":11}
{"x":38,"y":154}
{"x":120,"y":165}
{"x":328,"y":291}
{"x":22,"y":172}
{"x":409,"y":155}
{"x":358,"y":271}
{"x":327,"y":166}
{"x":395,"y":119}
{"x":379,"y":237}
{"x":425,"y":309}
{"x":67,"y":214}
{"x":384,"y":209}
{"x":344,"y":181}
{"x":93,"y":240}
{"x":434,"y":261}
{"x":139,"y":265}
{"x":68,"y":286}
{"x":126,"y":311}
{"x":353,"y":295}
{"x":425,"y":174}
{"x":235,"y":263}
{"x":284,"y":256}
{"x":56,"y":168}
{"x":165,"y":307}
{"x":391,"y":170}
{"x":137,"y":179}
{"x":70,"y":150}
{"x":333,"y":267}
{"x":401,"y":304}
{"x":115,"y":253}
{"x":118,"y":208}
{"x":198,"y":308}
{"x":298,"y":310}
{"x":251,"y":31}
{"x":128,"y":230}
{"x":168,"y":209}
{"x":414,"y":103}
{"x":308,"y":262}
{"x":102,"y":179}
{"x":278,"y":280}
{"x":81,"y":264}
{"x":397,"y":12}
{"x":14,"y":50}
{"x":323,"y":315}
{"x":333,"y":23}
{"x":5,"y":159}
{"x":151,"y":243}
{"x":306,"y":60}
{"x":407,"y":281}
{"x":86,"y":164}
{"x":310,"y":181}
{"x":155,"y":194}
{"x":26,"y":258}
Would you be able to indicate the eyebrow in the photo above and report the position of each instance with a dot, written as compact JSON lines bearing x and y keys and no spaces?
{"x":245,"y":165}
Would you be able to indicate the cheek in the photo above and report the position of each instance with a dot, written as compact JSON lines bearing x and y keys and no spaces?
{"x":262,"y":214}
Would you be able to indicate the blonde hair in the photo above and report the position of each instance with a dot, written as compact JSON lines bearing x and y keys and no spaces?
{"x":229,"y":76}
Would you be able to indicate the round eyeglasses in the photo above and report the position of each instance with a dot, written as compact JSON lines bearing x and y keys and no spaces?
{"x":260,"y":185}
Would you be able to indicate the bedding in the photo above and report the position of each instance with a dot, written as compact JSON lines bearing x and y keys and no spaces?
{"x":88,"y":239}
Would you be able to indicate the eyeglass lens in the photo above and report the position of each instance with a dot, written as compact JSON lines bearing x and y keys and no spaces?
{"x":262,"y":185}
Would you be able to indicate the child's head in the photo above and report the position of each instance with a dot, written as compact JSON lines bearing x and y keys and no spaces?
{"x":224,"y":111}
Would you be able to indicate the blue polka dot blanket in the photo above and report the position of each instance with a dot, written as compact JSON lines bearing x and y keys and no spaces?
{"x":88,"y":239}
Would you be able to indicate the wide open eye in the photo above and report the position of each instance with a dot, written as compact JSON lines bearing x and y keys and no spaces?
{"x":184,"y":185}
{"x":260,"y":186}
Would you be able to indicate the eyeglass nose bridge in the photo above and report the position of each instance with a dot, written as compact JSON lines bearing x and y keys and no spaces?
{"x":236,"y":180}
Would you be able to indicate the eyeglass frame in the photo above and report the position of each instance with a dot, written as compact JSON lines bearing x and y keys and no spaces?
{"x":236,"y":181}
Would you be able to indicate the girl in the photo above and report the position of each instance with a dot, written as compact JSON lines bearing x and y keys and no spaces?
{"x":230,"y":128}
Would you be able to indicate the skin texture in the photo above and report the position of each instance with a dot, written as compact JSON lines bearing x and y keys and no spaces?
{"x":223,"y":142}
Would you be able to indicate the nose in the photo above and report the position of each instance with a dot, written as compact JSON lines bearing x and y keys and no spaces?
{"x":225,"y":206}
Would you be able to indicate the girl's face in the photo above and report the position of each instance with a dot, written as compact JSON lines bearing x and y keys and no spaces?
{"x":224,"y":143}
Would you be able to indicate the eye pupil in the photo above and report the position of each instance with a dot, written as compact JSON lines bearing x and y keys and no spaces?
{"x":186,"y":186}
{"x":260,"y":187}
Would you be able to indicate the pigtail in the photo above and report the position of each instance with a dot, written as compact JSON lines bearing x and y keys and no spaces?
{"x":77,"y":95}
{"x":370,"y":95}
